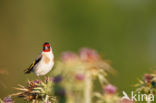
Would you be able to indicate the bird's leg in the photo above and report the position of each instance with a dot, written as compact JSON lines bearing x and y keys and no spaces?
{"x":46,"y":78}
{"x":39,"y":79}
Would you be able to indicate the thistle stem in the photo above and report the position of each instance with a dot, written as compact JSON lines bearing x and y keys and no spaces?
{"x":88,"y":88}
{"x":46,"y":99}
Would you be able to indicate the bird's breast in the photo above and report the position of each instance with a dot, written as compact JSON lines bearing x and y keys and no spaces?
{"x":46,"y":59}
{"x":45,"y":65}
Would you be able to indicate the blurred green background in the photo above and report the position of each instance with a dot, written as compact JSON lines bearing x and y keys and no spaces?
{"x":123,"y":31}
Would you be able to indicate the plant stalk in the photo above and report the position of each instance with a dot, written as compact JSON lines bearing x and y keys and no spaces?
{"x":88,"y":88}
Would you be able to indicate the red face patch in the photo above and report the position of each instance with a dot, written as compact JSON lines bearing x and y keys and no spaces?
{"x":46,"y":47}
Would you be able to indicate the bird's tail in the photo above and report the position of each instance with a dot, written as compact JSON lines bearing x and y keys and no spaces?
{"x":27,"y":71}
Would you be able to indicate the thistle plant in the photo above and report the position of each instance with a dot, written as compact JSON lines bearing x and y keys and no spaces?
{"x":80,"y":73}
{"x":36,"y":91}
{"x":109,"y":95}
{"x":147,"y":85}
{"x":6,"y":100}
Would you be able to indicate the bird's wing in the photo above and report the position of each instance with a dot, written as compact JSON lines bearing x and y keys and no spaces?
{"x":28,"y":70}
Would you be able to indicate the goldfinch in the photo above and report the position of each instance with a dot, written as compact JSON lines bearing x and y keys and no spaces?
{"x":43,"y":63}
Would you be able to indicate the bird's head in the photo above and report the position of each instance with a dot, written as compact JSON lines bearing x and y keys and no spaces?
{"x":46,"y":47}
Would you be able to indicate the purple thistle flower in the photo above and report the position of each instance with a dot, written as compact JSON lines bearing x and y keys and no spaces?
{"x":68,"y":56}
{"x":148,"y":78}
{"x":79,"y":77}
{"x":37,"y":81}
{"x":110,"y":89}
{"x":88,"y":54}
{"x":7,"y":100}
{"x":58,"y":79}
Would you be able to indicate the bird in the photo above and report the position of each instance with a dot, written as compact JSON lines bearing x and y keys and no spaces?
{"x":43,"y":63}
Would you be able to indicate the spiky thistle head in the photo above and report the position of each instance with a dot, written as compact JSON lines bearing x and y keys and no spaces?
{"x":36,"y":90}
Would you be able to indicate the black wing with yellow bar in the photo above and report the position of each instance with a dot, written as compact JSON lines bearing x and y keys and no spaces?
{"x":28,"y":70}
